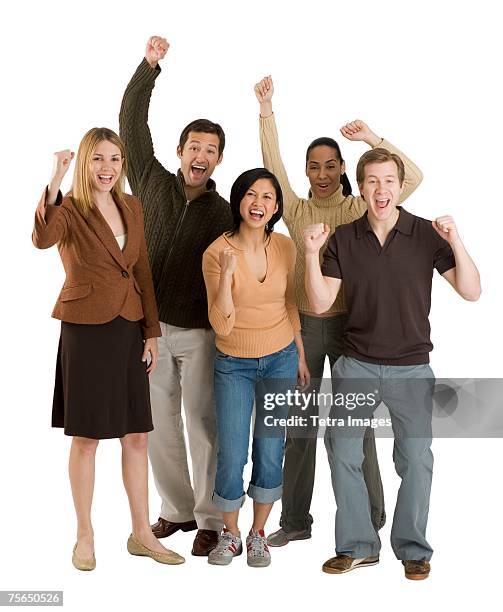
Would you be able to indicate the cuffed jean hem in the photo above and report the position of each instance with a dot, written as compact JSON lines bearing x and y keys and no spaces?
{"x":360,"y":552}
{"x":415,"y":558}
{"x":412,"y":553}
{"x":265,"y":496}
{"x":227,"y":505}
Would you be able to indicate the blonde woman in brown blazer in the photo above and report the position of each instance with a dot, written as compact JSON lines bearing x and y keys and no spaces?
{"x":109,"y":328}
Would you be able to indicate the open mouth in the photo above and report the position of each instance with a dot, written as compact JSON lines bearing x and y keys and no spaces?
{"x":105,"y":179}
{"x":323,"y":186}
{"x":382,"y":202}
{"x":256,"y":214}
{"x":197,"y":171}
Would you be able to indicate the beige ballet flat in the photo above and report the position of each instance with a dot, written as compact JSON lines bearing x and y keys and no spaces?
{"x":86,"y":565}
{"x":137,"y":548}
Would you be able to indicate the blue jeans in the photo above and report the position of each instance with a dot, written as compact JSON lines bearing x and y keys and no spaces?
{"x":407,"y":392}
{"x":237,"y":386}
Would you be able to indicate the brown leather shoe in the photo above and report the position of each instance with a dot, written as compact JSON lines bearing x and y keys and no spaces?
{"x":416,"y":570}
{"x":204,"y":542}
{"x":342,"y":564}
{"x":163,"y":528}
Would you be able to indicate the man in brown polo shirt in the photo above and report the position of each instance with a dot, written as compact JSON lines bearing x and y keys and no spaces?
{"x":386,"y":260}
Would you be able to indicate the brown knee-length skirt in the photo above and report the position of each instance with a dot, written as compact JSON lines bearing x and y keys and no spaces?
{"x":101,"y":388}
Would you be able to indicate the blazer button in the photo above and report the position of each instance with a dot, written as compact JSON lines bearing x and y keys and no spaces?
{"x":125,"y":274}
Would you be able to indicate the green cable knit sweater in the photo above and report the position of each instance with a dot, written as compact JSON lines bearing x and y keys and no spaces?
{"x":177,"y":231}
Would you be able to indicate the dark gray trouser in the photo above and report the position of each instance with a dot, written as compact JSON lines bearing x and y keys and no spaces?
{"x":322,"y":336}
{"x":407,"y":392}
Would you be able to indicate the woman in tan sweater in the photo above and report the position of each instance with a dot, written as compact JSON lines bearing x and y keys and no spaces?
{"x":329,"y":201}
{"x":249,"y":276}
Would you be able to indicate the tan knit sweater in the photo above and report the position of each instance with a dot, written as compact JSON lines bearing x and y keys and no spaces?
{"x":265,"y":315}
{"x":334,"y":210}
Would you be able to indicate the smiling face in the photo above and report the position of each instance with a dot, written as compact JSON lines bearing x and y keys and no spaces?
{"x":324,"y":170}
{"x":381,"y":189}
{"x":199,"y":158}
{"x":258,"y":204}
{"x":106,"y":165}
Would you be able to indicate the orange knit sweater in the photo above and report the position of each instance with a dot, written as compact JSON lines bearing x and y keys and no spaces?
{"x":265,"y":316}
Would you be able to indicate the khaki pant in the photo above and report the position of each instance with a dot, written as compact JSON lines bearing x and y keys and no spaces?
{"x":184,"y":370}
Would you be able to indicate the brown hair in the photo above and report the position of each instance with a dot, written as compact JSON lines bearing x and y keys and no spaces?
{"x":378,"y":156}
{"x":207,"y":127}
{"x":82,"y":185}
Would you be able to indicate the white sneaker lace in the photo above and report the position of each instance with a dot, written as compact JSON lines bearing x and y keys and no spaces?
{"x":224,"y":541}
{"x":257,"y":545}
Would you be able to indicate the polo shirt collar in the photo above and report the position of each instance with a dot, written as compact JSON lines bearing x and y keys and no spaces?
{"x":403,"y":225}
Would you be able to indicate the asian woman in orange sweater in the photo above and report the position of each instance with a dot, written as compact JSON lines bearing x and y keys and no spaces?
{"x":249,"y":276}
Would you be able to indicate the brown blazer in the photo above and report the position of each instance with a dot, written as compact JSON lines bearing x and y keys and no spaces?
{"x":102,"y":282}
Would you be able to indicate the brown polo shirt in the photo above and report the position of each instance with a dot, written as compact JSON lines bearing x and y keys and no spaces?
{"x":388,"y":288}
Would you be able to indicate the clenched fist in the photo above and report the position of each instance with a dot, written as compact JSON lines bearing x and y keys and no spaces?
{"x":358,"y":130}
{"x":157,"y":48}
{"x":315,"y":236}
{"x":62,"y":161}
{"x":446,"y":227}
{"x":228,"y":261}
{"x":264,"y":90}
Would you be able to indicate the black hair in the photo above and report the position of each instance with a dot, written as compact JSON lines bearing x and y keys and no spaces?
{"x":325,"y":141}
{"x":206,"y":127}
{"x":238,"y":192}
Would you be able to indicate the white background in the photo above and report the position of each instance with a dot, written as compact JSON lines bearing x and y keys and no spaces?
{"x":425,"y":76}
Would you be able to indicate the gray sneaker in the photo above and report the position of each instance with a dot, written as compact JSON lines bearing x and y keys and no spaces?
{"x":257,"y":549}
{"x":228,"y":547}
{"x":281,"y":537}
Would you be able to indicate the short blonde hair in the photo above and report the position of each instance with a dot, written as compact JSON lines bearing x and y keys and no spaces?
{"x":82,"y":185}
{"x":378,"y":156}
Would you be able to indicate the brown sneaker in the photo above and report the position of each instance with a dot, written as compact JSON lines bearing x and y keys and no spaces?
{"x":164,"y":528}
{"x":416,"y":570}
{"x":204,"y":542}
{"x":342,"y":564}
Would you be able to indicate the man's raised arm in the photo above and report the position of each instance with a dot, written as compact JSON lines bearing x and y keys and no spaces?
{"x":133,"y":118}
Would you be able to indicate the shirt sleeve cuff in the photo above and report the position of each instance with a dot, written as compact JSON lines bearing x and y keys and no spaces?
{"x":268,"y":119}
{"x":59,"y":197}
{"x":154,"y":331}
{"x":221,"y":323}
{"x":145,"y":69}
{"x":445,"y":264}
{"x":331,"y":273}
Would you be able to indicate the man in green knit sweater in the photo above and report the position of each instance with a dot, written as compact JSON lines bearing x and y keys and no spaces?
{"x":183,"y":214}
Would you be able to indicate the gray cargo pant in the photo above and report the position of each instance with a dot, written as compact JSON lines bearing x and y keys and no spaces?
{"x":321,"y":336}
{"x":407,"y":393}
